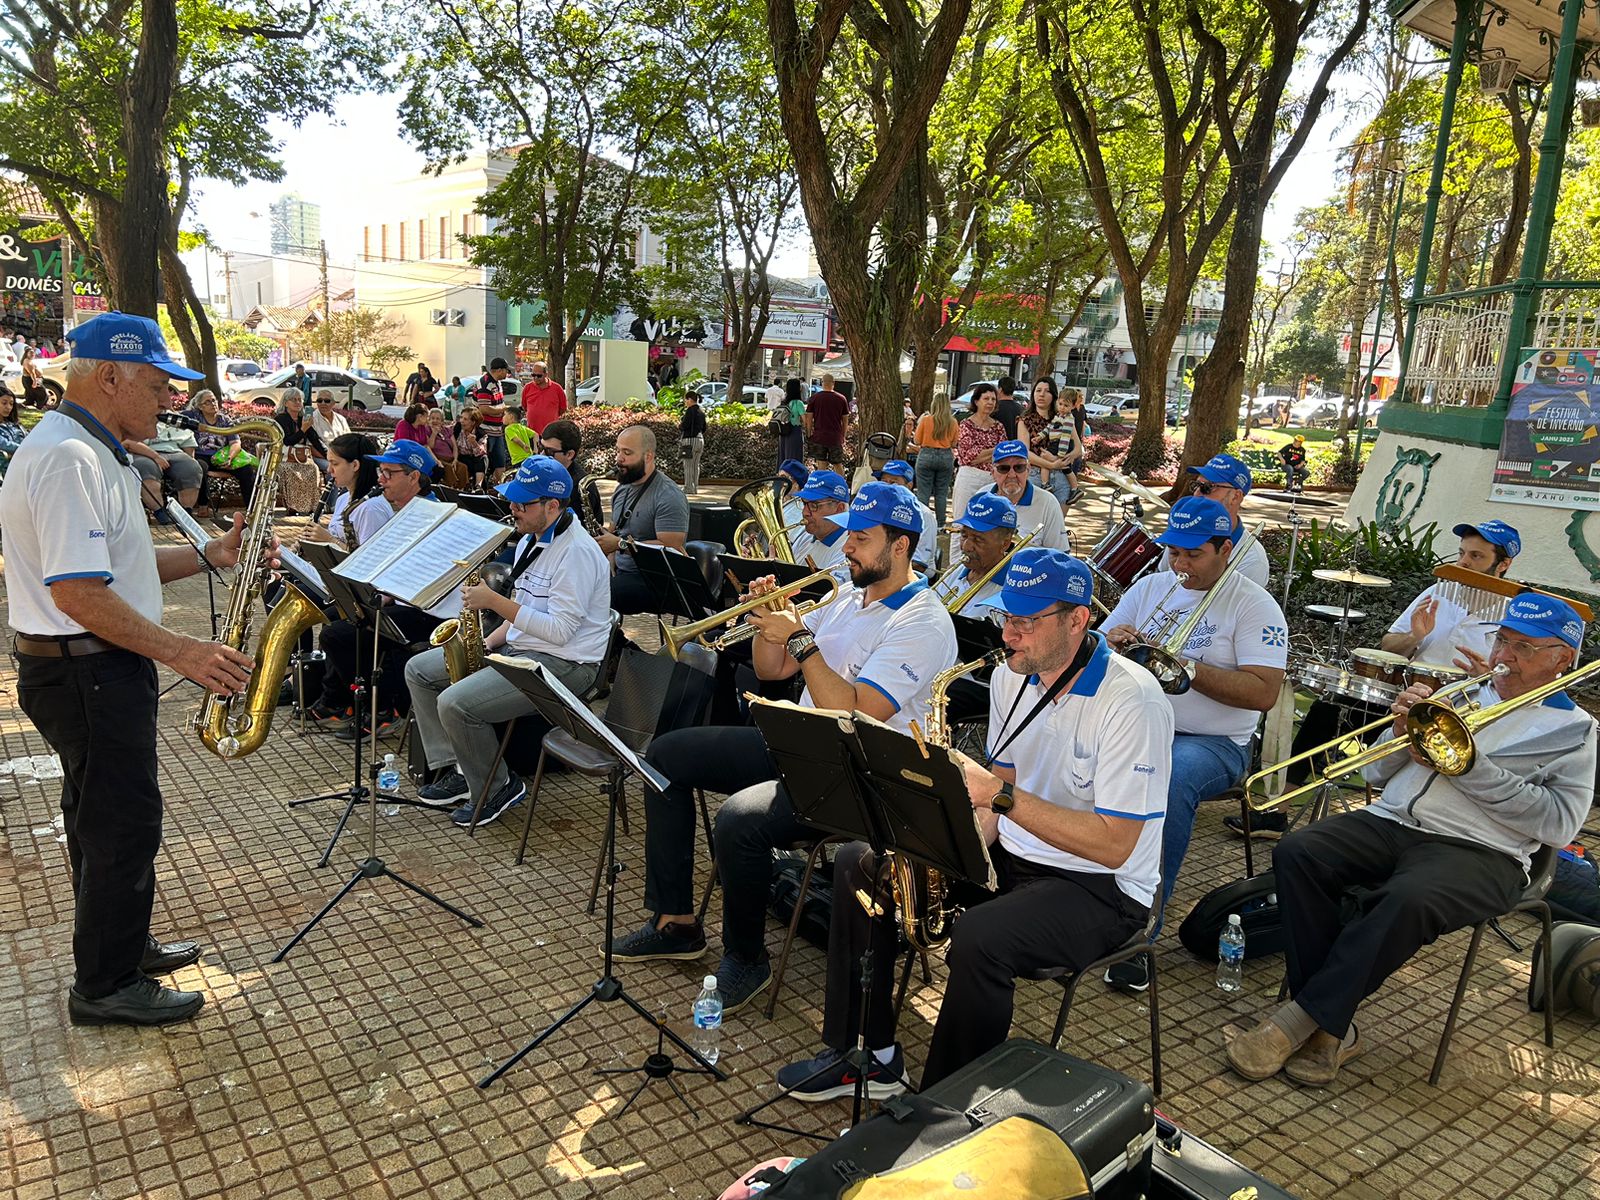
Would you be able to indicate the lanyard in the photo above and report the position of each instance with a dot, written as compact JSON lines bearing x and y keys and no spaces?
{"x":526,"y":558}
{"x":1079,"y":661}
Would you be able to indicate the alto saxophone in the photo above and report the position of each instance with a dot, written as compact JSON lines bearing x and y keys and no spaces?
{"x":921,"y":895}
{"x":461,"y":638}
{"x":234,"y":726}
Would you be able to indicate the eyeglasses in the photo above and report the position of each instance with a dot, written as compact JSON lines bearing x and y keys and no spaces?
{"x":536,"y":375}
{"x":390,"y":472}
{"x":553,"y":450}
{"x":1023,"y":625}
{"x":1521,"y":648}
{"x":1205,"y":488}
{"x":1017,"y":468}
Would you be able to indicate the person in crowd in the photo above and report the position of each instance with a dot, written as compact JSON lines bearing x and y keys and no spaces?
{"x":436,"y":437}
{"x":455,"y":398}
{"x":976,"y":437}
{"x":472,"y":449}
{"x":1227,"y":480}
{"x":1036,"y":508}
{"x":562,"y":440}
{"x":924,"y":557}
{"x":936,"y":435}
{"x":875,"y":649}
{"x":520,"y":438}
{"x":1070,"y":798}
{"x":1235,"y":658}
{"x":11,"y":431}
{"x":222,"y":451}
{"x":557,"y":615}
{"x":543,"y":399}
{"x":1049,"y":462}
{"x":301,"y":382}
{"x":170,"y":455}
{"x":1008,"y":405}
{"x":774,"y":394}
{"x":789,"y":417}
{"x":305,"y":456}
{"x":33,"y":389}
{"x":1292,"y":455}
{"x":692,"y":437}
{"x":490,"y":396}
{"x":1066,"y":435}
{"x":1431,"y":854}
{"x":410,"y":426}
{"x":421,"y":388}
{"x":645,"y":507}
{"x":827,"y":418}
{"x":327,"y":422}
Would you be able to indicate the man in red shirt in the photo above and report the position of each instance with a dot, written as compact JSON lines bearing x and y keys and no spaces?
{"x":826,"y":415}
{"x":543,"y":399}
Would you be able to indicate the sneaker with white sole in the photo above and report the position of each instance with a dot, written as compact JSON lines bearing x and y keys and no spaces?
{"x":495,"y":806}
{"x":1131,"y":975}
{"x":831,"y":1075}
{"x":448,"y":788}
{"x":740,"y":982}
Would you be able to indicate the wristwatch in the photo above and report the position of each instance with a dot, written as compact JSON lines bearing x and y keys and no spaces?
{"x":1005,"y":799}
{"x":801,"y":645}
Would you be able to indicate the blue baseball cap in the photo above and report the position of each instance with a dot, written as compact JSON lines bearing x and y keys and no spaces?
{"x":825,"y":485}
{"x":986,"y":511}
{"x":122,"y":337}
{"x":895,"y":466}
{"x":1226,"y":470}
{"x":406,"y":453}
{"x":1038,"y":578}
{"x":1194,"y":521}
{"x":795,"y":470}
{"x":1539,"y":615}
{"x":540,"y":477}
{"x":1496,"y":533}
{"x":1011,"y":449}
{"x":881,"y":504}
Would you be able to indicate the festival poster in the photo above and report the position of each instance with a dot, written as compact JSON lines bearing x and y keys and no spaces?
{"x":1550,"y":444}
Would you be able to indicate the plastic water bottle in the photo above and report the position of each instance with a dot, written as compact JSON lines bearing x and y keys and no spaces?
{"x":708,"y":1020}
{"x":1230,"y":956}
{"x":389,"y":777}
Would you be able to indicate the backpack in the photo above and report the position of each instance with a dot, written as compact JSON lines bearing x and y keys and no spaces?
{"x":1255,"y":899}
{"x":1575,"y":967}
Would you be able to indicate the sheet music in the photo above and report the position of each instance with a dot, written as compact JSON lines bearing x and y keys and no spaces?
{"x":188,"y":526}
{"x":463,"y":537}
{"x":392,"y":540}
{"x":303,"y":575}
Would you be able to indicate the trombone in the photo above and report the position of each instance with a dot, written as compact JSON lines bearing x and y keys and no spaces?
{"x":955,"y":603}
{"x":676,"y":637}
{"x":1438,"y":732}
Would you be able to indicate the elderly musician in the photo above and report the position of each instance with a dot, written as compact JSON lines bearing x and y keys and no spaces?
{"x":1036,"y":508}
{"x":988,"y":529}
{"x":1227,"y":480}
{"x":646,"y":507}
{"x":1435,"y":628}
{"x":874,"y":649}
{"x":1071,"y":799}
{"x":824,"y":496}
{"x":794,"y":475}
{"x":557,"y":615}
{"x":1235,"y":654}
{"x":1432,"y":853}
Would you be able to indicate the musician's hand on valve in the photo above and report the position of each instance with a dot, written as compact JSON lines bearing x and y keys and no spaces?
{"x":1402,"y":706}
{"x":224,"y":551}
{"x":608,"y":542}
{"x":478,"y":596}
{"x":775,"y":626}
{"x":762,"y":585}
{"x":1121,"y":636}
{"x":214,"y":666}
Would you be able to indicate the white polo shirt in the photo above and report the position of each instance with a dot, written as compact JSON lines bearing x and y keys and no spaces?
{"x":565,"y":598}
{"x":957,"y":580}
{"x":1453,"y":626}
{"x":1039,"y":509}
{"x":827,"y":552}
{"x":1243,"y":627}
{"x":1255,"y":565}
{"x":70,"y":510}
{"x":895,"y":645}
{"x":1104,"y":745}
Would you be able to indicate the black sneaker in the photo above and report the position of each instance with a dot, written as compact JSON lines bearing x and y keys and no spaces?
{"x":1269,"y":825}
{"x":447,"y":789}
{"x":495,"y":806}
{"x":738,"y":983}
{"x":145,"y":1002}
{"x":1133,"y":975}
{"x":1074,"y":496}
{"x":830,"y":1076}
{"x":675,"y":940}
{"x":328,"y":717}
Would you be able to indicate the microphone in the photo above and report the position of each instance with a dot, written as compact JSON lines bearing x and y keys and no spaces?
{"x":181,"y":420}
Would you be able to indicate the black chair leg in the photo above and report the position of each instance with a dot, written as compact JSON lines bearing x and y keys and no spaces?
{"x":1455,"y":1005}
{"x":905,"y":984}
{"x":1500,"y":932}
{"x":533,"y":798}
{"x":794,"y":925}
{"x":1549,"y":976}
{"x":488,"y":779}
{"x":927,"y":971}
{"x":1069,"y":987}
{"x":1155,"y":1023}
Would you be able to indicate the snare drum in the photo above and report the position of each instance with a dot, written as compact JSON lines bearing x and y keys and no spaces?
{"x":1380,"y":665}
{"x":1126,"y":553}
{"x":1435,"y":675}
{"x":1319,"y":678}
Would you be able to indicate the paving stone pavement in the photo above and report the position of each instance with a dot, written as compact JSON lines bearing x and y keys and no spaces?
{"x":349,"y":1069}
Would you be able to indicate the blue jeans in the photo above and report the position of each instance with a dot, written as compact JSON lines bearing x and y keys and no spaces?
{"x":1058,"y":485}
{"x":1202,"y":765}
{"x":936,"y":471}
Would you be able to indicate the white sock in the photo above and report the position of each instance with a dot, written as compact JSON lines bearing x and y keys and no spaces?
{"x":885,"y":1055}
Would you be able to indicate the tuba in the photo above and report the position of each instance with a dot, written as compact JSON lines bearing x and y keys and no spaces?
{"x":233,"y":726}
{"x":921,"y":896}
{"x":762,"y":502}
{"x":461,"y":639}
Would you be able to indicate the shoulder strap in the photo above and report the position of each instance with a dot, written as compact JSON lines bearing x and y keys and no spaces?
{"x":96,"y":430}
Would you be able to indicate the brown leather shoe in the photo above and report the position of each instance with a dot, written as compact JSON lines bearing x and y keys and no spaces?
{"x":1317,"y":1063}
{"x":1258,"y":1053}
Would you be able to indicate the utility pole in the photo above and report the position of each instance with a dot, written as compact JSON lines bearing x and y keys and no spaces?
{"x":227,"y":279}
{"x":322,"y":259}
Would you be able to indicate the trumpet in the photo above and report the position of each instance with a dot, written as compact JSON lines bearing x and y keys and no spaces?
{"x":676,"y":637}
{"x":961,"y":599}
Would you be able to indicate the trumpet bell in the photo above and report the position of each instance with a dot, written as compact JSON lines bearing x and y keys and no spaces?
{"x":1169,"y":672}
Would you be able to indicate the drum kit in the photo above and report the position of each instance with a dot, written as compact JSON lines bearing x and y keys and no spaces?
{"x":1128,"y":551}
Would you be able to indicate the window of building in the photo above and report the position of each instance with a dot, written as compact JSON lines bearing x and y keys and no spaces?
{"x":383,"y":242}
{"x":422,"y":238}
{"x":366,"y":241}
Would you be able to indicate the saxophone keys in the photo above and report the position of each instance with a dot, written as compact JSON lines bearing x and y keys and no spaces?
{"x":872,"y":907}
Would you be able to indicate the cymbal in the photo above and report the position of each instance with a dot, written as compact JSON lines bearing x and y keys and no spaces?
{"x":1353,"y":578}
{"x":1124,"y":483}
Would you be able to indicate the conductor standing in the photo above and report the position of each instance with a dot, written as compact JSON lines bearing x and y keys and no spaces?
{"x":83,"y":583}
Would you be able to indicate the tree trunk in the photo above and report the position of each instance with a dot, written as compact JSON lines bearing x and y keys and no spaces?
{"x":200,"y":346}
{"x":1361,"y":294}
{"x":1507,"y":253}
{"x":1152,"y":348}
{"x":144,"y":193}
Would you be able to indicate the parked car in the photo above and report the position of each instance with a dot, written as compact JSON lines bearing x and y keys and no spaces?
{"x":349,"y":389}
{"x":1308,"y":414}
{"x":711,"y":392}
{"x":1105,"y":404}
{"x":588,"y":391}
{"x":236,"y":373}
{"x":1263,"y":410}
{"x":390,"y":388}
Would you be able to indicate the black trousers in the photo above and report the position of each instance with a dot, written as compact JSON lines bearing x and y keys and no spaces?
{"x":1040,"y":917}
{"x":630,"y":594}
{"x":1323,"y":722}
{"x":1414,"y":888}
{"x":348,"y":648}
{"x":98,"y":712}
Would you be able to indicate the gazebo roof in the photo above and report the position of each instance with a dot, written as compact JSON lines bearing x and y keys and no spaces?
{"x":1512,"y":30}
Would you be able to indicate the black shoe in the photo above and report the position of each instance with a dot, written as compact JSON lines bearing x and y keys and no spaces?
{"x":449,"y":788}
{"x":829,"y":1076}
{"x":1132,"y":975}
{"x":1268,"y":825}
{"x":495,"y":806}
{"x":679,"y":942}
{"x":143,"y":1003}
{"x":286,"y":693}
{"x":738,"y":982}
{"x":161,"y":957}
{"x":351,"y":730}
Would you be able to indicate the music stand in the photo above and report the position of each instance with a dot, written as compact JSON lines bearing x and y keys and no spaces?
{"x":747,"y":569}
{"x":565,"y":711}
{"x":363,"y":603}
{"x":859,"y":778}
{"x":675,"y":580}
{"x":483,"y":504}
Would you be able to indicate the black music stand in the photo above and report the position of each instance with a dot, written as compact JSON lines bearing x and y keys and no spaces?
{"x":565,"y":711}
{"x":676,"y":582}
{"x":975,"y":636}
{"x":870,"y":783}
{"x":747,"y":569}
{"x":492,"y":505}
{"x":363,"y":604}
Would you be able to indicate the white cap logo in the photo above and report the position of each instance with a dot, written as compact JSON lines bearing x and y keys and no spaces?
{"x":900,"y":513}
{"x":125,"y":343}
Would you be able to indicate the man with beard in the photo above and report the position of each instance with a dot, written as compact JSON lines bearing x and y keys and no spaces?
{"x":874,"y":649}
{"x":646,"y":507}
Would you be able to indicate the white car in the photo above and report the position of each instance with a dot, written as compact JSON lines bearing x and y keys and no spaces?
{"x":237,"y":373}
{"x":1313,"y":412}
{"x":588,"y":391}
{"x":1103,"y":405}
{"x":711,"y":392}
{"x":349,"y":391}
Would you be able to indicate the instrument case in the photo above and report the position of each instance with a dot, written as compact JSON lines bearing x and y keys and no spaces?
{"x":1187,"y":1168}
{"x":952,"y":1139}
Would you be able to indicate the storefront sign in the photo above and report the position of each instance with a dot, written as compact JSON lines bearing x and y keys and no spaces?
{"x":528,"y":321}
{"x":1550,"y":443}
{"x":795,"y":329}
{"x":29,"y":265}
{"x":1006,"y":325}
